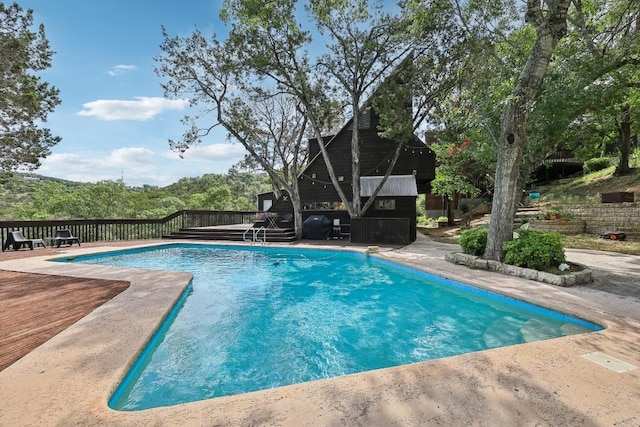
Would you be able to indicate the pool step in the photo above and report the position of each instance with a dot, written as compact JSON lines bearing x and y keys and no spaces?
{"x":231,"y":234}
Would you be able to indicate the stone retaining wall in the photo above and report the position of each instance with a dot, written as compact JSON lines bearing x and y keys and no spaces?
{"x":600,"y":218}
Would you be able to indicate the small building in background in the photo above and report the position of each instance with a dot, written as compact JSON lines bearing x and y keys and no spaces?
{"x":416,"y":166}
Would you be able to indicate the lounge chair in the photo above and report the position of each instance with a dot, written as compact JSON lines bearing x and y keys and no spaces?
{"x":64,"y":237}
{"x":17,"y":240}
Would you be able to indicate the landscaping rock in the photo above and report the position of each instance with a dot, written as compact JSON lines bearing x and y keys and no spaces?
{"x":565,"y":280}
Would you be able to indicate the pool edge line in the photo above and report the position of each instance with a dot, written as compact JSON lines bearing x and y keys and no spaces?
{"x":480,"y":289}
{"x":134,"y":367}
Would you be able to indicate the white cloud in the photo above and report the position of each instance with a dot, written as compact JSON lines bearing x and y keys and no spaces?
{"x":213,"y":152}
{"x":121,"y":69}
{"x":139,"y":166}
{"x":74,"y":167}
{"x":140,"y":109}
{"x":129,"y":155}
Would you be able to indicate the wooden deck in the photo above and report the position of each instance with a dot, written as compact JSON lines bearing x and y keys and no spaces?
{"x":36,"y":307}
{"x":233,"y":232}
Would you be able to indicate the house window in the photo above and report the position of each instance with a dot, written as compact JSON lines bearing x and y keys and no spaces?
{"x":364,"y":120}
{"x":322,"y":206}
{"x":385,"y":204}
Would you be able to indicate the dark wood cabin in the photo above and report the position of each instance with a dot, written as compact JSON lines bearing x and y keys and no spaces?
{"x":560,"y":164}
{"x":416,"y":163}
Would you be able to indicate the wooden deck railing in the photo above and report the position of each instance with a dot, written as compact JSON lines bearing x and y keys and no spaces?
{"x":562,"y":156}
{"x":95,"y":230}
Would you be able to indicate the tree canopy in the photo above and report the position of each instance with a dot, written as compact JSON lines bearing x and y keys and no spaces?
{"x":500,"y":85}
{"x":270,"y":53}
{"x":554,"y":74}
{"x":25,"y":100}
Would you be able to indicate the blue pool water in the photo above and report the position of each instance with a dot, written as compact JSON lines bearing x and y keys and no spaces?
{"x":258,"y":318}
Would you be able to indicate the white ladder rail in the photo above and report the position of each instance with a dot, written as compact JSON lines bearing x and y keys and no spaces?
{"x":255,"y":235}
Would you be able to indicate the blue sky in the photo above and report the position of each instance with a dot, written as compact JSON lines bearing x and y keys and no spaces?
{"x":113,"y":120}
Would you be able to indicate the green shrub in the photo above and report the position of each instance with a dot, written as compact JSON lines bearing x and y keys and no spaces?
{"x":634,"y":158}
{"x":474,"y":241}
{"x":424,"y":220}
{"x":596,"y":164}
{"x":536,"y":250}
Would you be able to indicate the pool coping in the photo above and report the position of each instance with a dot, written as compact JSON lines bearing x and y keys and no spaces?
{"x":69,"y":379}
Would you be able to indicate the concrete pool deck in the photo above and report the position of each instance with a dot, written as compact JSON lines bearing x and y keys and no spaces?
{"x":68,"y":380}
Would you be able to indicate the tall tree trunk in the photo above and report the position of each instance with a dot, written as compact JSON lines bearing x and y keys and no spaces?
{"x":297,"y":214}
{"x":504,"y":197}
{"x":332,"y":174}
{"x":376,"y":191}
{"x":523,"y":174}
{"x":296,"y":202}
{"x":551,"y":26}
{"x":603,"y":144}
{"x":625,"y":141}
{"x":450,"y":210}
{"x":355,"y":159}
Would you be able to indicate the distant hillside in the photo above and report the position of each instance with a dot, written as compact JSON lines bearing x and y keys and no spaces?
{"x":14,"y":178}
{"x":31,"y":196}
{"x":18,"y":188}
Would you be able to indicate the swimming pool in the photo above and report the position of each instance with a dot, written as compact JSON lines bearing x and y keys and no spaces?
{"x":257,"y":318}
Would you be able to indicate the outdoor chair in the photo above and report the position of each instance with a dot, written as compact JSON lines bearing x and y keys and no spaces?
{"x":17,"y":240}
{"x":64,"y":237}
{"x":337,"y":229}
{"x":261,"y":219}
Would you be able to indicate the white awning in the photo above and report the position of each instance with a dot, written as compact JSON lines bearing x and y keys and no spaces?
{"x":395,"y":185}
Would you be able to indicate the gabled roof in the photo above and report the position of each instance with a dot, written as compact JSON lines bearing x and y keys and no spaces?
{"x":328,"y":140}
{"x":395,"y":185}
